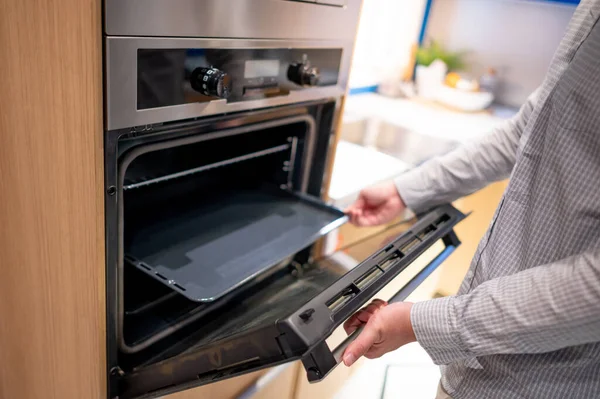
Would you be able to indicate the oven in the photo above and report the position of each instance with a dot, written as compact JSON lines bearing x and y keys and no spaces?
{"x":220,"y":118}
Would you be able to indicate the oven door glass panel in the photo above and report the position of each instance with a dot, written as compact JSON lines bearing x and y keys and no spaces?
{"x":290,"y":316}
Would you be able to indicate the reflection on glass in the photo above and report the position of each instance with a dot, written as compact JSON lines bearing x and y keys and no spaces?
{"x":160,"y":77}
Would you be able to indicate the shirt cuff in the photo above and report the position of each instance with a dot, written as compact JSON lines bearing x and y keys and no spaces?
{"x":436,"y":328}
{"x":413,"y":191}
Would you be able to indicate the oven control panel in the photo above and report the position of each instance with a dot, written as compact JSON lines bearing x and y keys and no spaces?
{"x":167,"y":77}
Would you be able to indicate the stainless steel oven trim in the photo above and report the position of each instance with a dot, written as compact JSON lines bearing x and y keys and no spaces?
{"x":135,"y":152}
{"x":267,"y":19}
{"x":121,"y":80}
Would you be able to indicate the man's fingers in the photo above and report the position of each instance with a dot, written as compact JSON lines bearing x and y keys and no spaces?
{"x":351,"y":210}
{"x":362,"y":316}
{"x":361,"y":345}
{"x":352,"y":325}
{"x":354,"y":215}
{"x":357,"y":205}
{"x":358,"y":319}
{"x":380,"y":302}
{"x":365,"y":219}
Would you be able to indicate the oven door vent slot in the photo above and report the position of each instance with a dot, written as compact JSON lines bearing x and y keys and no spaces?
{"x":426,"y":232}
{"x":409,"y":246}
{"x":392,"y":260}
{"x":370,"y":276}
{"x":338,"y":302}
{"x":442,"y":220}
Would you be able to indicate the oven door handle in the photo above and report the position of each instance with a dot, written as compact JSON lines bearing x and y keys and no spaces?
{"x":321,"y":361}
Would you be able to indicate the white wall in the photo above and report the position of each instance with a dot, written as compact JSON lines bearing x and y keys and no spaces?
{"x":517,"y":37}
{"x":386,"y":32}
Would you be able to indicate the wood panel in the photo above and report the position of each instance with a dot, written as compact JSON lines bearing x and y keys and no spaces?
{"x":52,"y":338}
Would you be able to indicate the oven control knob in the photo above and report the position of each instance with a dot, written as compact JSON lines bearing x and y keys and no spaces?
{"x":211,"y":82}
{"x":303,"y":74}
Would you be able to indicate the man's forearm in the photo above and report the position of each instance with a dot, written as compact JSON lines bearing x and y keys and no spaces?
{"x":467,"y":169}
{"x":535,"y":311}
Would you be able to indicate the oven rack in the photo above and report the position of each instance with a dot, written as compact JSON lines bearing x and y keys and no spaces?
{"x":291,"y":145}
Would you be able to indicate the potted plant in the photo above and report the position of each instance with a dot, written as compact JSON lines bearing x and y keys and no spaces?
{"x":433,"y":63}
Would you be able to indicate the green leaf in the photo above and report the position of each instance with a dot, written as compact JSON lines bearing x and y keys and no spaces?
{"x":427,"y":54}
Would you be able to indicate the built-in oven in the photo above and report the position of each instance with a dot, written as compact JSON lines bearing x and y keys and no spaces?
{"x":219,"y":124}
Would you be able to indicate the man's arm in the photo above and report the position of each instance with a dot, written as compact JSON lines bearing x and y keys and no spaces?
{"x":538,"y":310}
{"x":466,"y":169}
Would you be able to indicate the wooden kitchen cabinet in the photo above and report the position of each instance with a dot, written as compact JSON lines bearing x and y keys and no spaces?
{"x":52,"y":289}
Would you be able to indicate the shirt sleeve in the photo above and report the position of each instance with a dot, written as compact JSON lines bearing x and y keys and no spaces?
{"x":466,"y":169}
{"x":538,"y":310}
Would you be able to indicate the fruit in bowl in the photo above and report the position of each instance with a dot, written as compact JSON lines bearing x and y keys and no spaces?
{"x":469,"y":101}
{"x":456,"y":81}
{"x":462,"y":93}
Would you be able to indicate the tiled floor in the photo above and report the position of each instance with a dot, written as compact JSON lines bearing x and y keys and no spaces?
{"x":406,"y":373}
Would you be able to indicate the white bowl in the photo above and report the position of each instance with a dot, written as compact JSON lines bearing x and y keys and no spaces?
{"x":464,"y":100}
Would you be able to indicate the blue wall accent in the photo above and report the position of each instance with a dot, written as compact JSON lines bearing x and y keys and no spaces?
{"x":361,"y":90}
{"x":424,"y":23}
{"x":574,"y":2}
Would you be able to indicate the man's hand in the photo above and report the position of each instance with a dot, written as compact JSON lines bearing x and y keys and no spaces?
{"x":376,"y":205}
{"x":386,"y":328}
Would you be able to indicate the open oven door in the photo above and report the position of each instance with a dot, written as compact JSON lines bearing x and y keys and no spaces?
{"x":291,"y":315}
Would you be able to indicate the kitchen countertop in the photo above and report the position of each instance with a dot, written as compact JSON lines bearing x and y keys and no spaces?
{"x":424,"y":119}
{"x":356,"y":167}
